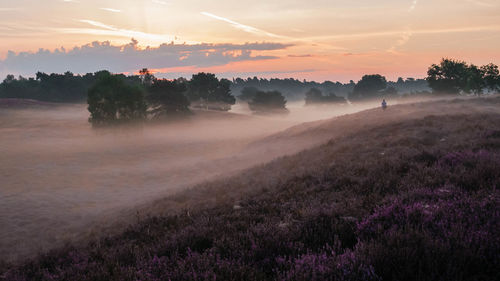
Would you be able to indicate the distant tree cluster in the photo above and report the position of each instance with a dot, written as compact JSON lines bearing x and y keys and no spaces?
{"x":294,"y":90}
{"x":111,"y":100}
{"x":371,"y":87}
{"x":270,"y":102}
{"x":314,"y":97}
{"x":409,"y":86}
{"x":207,"y":92}
{"x":167,"y":99}
{"x":457,"y":77}
{"x":291,"y":89}
{"x":53,"y":87}
{"x":263,"y":102}
{"x":248,"y":93}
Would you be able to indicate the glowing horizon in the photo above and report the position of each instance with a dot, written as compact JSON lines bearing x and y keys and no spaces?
{"x":321,"y":40}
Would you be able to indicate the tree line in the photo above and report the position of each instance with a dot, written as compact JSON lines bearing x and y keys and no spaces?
{"x":449,"y":77}
{"x":117,"y":98}
{"x":73,"y":88}
{"x":53,"y":87}
{"x":295,"y":90}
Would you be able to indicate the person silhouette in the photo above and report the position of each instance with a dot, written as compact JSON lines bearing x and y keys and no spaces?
{"x":384,"y":104}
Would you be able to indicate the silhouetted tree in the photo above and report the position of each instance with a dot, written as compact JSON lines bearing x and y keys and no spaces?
{"x":268,"y":102}
{"x":406,"y":86}
{"x":456,"y":77}
{"x":390,"y":91}
{"x":166,"y":98}
{"x":475,"y":82}
{"x":370,"y":86}
{"x":202,"y":86}
{"x":248,"y":93}
{"x":9,"y":79}
{"x":491,"y":77}
{"x":448,"y":77}
{"x":223,"y":96}
{"x":206,"y":91}
{"x":146,"y":76}
{"x":315,"y":96}
{"x":112,"y":101}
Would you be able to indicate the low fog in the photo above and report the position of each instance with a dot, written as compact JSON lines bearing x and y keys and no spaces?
{"x":63,"y":181}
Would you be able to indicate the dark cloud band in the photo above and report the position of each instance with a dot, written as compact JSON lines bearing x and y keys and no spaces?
{"x":125,"y":58}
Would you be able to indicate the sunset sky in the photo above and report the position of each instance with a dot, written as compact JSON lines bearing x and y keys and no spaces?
{"x":319,"y":40}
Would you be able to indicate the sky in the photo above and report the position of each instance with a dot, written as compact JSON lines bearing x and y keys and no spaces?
{"x":337,"y":40}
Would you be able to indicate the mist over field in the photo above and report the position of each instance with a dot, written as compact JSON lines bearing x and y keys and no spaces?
{"x":62,"y":180}
{"x":249,"y":140}
{"x":66,"y":182}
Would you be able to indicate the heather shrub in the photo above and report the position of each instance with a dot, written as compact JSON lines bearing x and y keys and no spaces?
{"x":326,"y":265}
{"x":471,"y":170}
{"x":328,"y":229}
{"x":399,"y":202}
{"x":444,"y":239}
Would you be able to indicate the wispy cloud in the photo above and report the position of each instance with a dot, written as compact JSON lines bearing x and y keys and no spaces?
{"x":485,"y":3}
{"x":301,"y":56}
{"x":246,"y":28}
{"x":458,"y":30}
{"x":108,"y":30}
{"x":403,"y":39}
{"x":111,"y":10}
{"x":405,"y":36}
{"x":367,"y":35}
{"x":71,"y":1}
{"x":254,"y":30}
{"x":413,"y":5}
{"x":98,"y":24}
{"x":161,"y":2}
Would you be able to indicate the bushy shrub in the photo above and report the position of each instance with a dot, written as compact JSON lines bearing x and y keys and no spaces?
{"x":268,"y":102}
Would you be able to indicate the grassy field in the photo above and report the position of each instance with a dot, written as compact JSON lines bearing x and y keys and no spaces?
{"x":406,"y":194}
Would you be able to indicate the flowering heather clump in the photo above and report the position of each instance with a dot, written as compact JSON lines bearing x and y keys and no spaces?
{"x":465,"y":168}
{"x":444,"y":240}
{"x":397,"y":202}
{"x":327,"y":265}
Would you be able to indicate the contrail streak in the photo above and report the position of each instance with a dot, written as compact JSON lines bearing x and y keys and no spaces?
{"x":243,"y":27}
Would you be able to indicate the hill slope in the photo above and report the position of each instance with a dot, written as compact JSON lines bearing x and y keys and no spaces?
{"x":414,"y":199}
{"x":313,"y":133}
